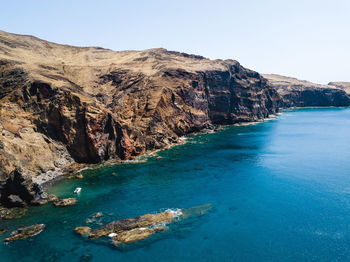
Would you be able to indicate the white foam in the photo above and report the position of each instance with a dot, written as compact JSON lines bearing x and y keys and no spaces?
{"x":139,"y":228}
{"x":175,"y":212}
{"x":84,"y":168}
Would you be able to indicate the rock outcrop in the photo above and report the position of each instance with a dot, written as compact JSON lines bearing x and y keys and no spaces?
{"x":61,"y":104}
{"x":17,"y":190}
{"x":65,"y":202}
{"x":83,"y":231}
{"x":126,"y":231}
{"x":300,"y":93}
{"x":25,"y":232}
{"x":12,"y":213}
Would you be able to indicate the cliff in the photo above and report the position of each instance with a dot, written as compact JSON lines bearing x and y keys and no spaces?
{"x":341,"y":85}
{"x":61,"y":104}
{"x":300,"y":93}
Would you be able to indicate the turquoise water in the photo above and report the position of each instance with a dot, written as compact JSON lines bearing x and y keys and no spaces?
{"x":280,"y":192}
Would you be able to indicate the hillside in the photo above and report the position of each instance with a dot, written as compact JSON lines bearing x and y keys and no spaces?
{"x":300,"y":93}
{"x":61,"y":104}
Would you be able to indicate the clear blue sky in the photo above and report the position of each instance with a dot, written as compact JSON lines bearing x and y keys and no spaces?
{"x":308,"y":39}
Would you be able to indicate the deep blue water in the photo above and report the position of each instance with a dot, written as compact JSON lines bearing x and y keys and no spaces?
{"x":280,"y":192}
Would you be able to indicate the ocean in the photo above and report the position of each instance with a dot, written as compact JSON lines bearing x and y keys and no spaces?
{"x":279,"y":190}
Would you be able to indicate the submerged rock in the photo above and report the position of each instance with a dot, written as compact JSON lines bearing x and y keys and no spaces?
{"x":65,"y":202}
{"x":125,"y":231}
{"x":144,"y":221}
{"x":98,"y":214}
{"x":25,"y":232}
{"x":86,"y":257}
{"x":3,"y":230}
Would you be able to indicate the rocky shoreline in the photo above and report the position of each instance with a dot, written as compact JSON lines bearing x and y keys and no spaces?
{"x":65,"y":107}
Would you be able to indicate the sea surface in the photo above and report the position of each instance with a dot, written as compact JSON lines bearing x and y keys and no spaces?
{"x":280,"y":191}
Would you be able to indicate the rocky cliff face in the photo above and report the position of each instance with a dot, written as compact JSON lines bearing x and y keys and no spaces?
{"x":341,"y":85}
{"x":299,"y":93}
{"x":62,"y":104}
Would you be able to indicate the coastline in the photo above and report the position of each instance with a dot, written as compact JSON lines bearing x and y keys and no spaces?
{"x":50,"y":178}
{"x":78,"y":168}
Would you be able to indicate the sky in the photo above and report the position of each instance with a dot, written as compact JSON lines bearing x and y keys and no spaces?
{"x":306,"y":39}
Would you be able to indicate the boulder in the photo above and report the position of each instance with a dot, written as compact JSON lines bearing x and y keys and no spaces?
{"x":83,"y":231}
{"x":65,"y":202}
{"x":44,"y":198}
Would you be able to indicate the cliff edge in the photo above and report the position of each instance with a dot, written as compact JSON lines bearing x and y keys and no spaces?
{"x":61,"y":104}
{"x":301,"y":93}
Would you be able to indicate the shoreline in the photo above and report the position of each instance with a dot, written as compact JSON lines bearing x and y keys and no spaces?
{"x":50,"y":178}
{"x":62,"y":174}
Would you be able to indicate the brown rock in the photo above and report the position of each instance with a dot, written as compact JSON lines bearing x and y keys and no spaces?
{"x":83,"y":231}
{"x":25,"y":232}
{"x":3,"y":230}
{"x":92,"y":105}
{"x":127,"y":237}
{"x":134,"y":235}
{"x":125,"y":231}
{"x":300,"y":93}
{"x":53,"y":198}
{"x":65,"y":202}
{"x":122,"y":225}
{"x":12,"y":213}
{"x":341,"y":85}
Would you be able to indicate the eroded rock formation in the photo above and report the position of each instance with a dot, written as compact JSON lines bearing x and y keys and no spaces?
{"x":25,"y":232}
{"x":61,"y":104}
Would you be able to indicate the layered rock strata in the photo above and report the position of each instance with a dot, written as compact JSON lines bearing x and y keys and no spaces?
{"x":61,"y":104}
